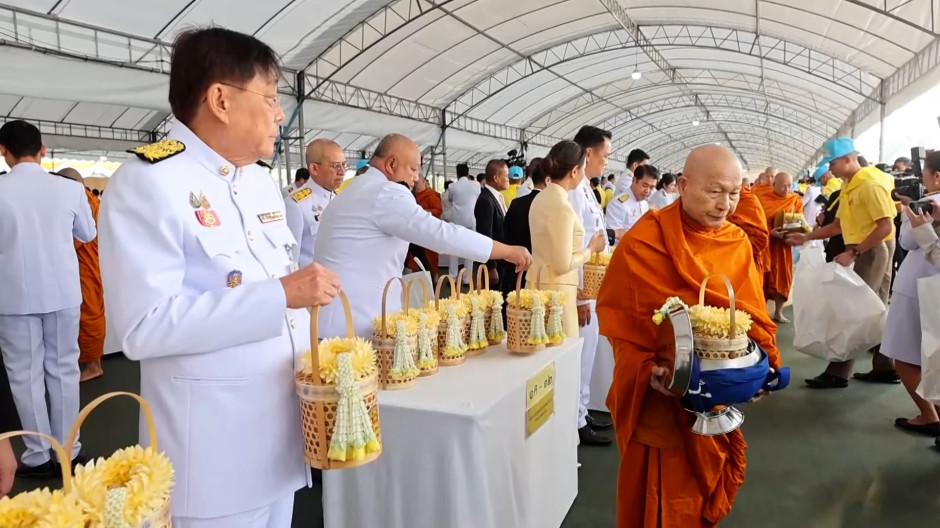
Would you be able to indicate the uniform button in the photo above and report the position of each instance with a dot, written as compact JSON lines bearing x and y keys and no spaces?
{"x":251,"y":237}
{"x":293,"y":323}
{"x":235,"y":189}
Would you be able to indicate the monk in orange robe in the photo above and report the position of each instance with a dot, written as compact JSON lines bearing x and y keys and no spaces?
{"x":91,"y":326}
{"x":749,"y":216}
{"x":778,"y":278}
{"x":430,"y":201}
{"x":670,"y":477}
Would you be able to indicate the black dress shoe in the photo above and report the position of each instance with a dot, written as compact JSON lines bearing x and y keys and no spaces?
{"x":46,"y":470}
{"x":591,"y":437}
{"x":599,"y":423}
{"x":827,"y":381}
{"x":879,"y":376}
{"x":932,"y":430}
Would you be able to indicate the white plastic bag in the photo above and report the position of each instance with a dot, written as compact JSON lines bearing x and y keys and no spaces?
{"x":837,"y":317}
{"x":415,"y":291}
{"x":928,"y":292}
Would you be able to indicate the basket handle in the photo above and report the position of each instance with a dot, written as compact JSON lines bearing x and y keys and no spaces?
{"x":65,"y":460}
{"x":404,"y":291}
{"x":732,"y":310}
{"x":483,"y":274}
{"x":437,"y":290}
{"x":87,"y":410}
{"x":553,"y":285}
{"x":460,"y":274}
{"x":314,"y":338}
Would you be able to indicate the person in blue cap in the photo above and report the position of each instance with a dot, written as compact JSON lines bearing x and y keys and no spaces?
{"x":865,"y":220}
{"x":361,"y":167}
{"x":829,"y":183}
{"x":516,"y":175}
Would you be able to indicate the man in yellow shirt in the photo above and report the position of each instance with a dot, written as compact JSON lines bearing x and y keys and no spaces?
{"x":829,"y":183}
{"x":515,"y":180}
{"x":866,"y":222}
{"x":361,"y":167}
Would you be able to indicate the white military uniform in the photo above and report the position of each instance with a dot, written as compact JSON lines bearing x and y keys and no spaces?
{"x":192,"y":250}
{"x":624,"y":211}
{"x":623,"y":183}
{"x":40,"y":298}
{"x":364,"y":237}
{"x":304,"y":207}
{"x":589,"y":211}
{"x":463,"y":195}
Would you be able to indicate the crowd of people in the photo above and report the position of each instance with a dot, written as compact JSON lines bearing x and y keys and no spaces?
{"x":208,"y":270}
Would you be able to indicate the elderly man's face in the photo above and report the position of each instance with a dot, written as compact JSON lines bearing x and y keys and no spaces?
{"x":256,"y":113}
{"x":330,"y":170}
{"x":710,"y":186}
{"x":783,"y":184}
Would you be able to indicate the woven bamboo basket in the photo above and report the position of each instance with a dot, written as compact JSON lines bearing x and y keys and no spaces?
{"x":552,"y":286}
{"x":159,"y":518}
{"x":519,"y":321}
{"x":432,"y":336}
{"x":594,"y":272}
{"x":384,"y":344}
{"x":68,"y":492}
{"x":476,"y":290}
{"x":457,"y":294}
{"x":711,"y":348}
{"x":442,"y":327}
{"x":319,"y":402}
{"x":488,"y":314}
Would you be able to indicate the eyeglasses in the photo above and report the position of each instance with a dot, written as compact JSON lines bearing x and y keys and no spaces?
{"x":273,"y":101}
{"x":337,"y":167}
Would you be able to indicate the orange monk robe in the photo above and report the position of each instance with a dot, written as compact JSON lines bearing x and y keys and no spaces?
{"x":430,"y":201}
{"x":749,"y":216}
{"x":669,"y":477}
{"x":91,"y":326}
{"x":778,"y":278}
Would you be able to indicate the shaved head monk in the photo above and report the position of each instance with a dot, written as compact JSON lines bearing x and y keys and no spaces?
{"x":670,"y":477}
{"x":91,"y":325}
{"x":749,"y":216}
{"x":779,"y":277}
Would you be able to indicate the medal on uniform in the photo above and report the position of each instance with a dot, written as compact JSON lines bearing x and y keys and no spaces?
{"x":233,"y":279}
{"x":204,"y":213}
{"x":290,"y":255}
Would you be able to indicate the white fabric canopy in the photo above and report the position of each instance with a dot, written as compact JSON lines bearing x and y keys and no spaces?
{"x":769,"y":78}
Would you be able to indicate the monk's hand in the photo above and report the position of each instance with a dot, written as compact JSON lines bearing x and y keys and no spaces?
{"x":846,"y":258}
{"x":584,"y":314}
{"x":796,"y":239}
{"x":658,"y":381}
{"x":313,"y":285}
{"x":779,"y":232}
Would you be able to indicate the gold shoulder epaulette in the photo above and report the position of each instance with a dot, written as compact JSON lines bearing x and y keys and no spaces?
{"x":301,"y":195}
{"x":158,"y":151}
{"x":264,"y":164}
{"x":623,"y":199}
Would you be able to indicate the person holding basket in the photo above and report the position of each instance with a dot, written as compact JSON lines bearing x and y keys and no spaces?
{"x":200,"y":276}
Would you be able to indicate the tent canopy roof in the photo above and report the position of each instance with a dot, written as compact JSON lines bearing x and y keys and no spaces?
{"x":772,"y":79}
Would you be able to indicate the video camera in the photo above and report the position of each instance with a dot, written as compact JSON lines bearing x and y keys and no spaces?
{"x":516,"y":158}
{"x":909,"y":181}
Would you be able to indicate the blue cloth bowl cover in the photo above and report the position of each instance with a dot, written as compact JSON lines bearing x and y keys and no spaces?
{"x":734,"y":385}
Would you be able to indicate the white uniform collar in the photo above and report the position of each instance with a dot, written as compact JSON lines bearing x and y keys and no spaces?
{"x":201,"y":153}
{"x":317,"y":190}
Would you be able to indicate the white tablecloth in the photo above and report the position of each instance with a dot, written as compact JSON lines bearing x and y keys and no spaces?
{"x":602,"y":375}
{"x":456,"y":453}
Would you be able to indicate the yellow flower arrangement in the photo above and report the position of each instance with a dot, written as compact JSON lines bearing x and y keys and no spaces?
{"x":41,"y":509}
{"x":434,"y":317}
{"x":709,"y":321}
{"x":462,"y":305}
{"x":145,"y":475}
{"x":391,"y":324}
{"x":525,"y":298}
{"x":483,"y":298}
{"x":363,"y":358}
{"x":600,"y":259}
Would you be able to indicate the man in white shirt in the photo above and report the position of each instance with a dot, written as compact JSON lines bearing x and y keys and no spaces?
{"x":365,"y":232}
{"x":327,"y":166}
{"x":300,"y":177}
{"x":636,"y":158}
{"x":596,"y":142}
{"x":40,"y":292}
{"x":624,"y":211}
{"x":462,"y":197}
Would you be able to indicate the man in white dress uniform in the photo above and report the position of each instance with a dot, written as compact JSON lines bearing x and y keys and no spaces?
{"x":40,"y":293}
{"x":462,"y":196}
{"x":365,"y":232}
{"x":635,"y":158}
{"x":197,"y":260}
{"x":625,"y":210}
{"x":327,"y":166}
{"x":591,"y":430}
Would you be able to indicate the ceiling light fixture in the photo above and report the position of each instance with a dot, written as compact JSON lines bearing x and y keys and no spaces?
{"x":636,"y":75}
{"x":695,"y":122}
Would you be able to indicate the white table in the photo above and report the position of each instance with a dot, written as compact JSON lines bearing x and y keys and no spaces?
{"x":602,"y":375}
{"x":456,"y":453}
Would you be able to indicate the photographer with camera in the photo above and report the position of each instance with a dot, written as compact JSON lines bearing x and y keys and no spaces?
{"x":902,"y":337}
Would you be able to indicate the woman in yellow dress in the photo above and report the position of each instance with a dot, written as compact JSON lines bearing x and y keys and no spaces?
{"x":557,"y":232}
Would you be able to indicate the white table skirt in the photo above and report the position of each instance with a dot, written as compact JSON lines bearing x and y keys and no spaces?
{"x":456,"y":454}
{"x":602,"y":375}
